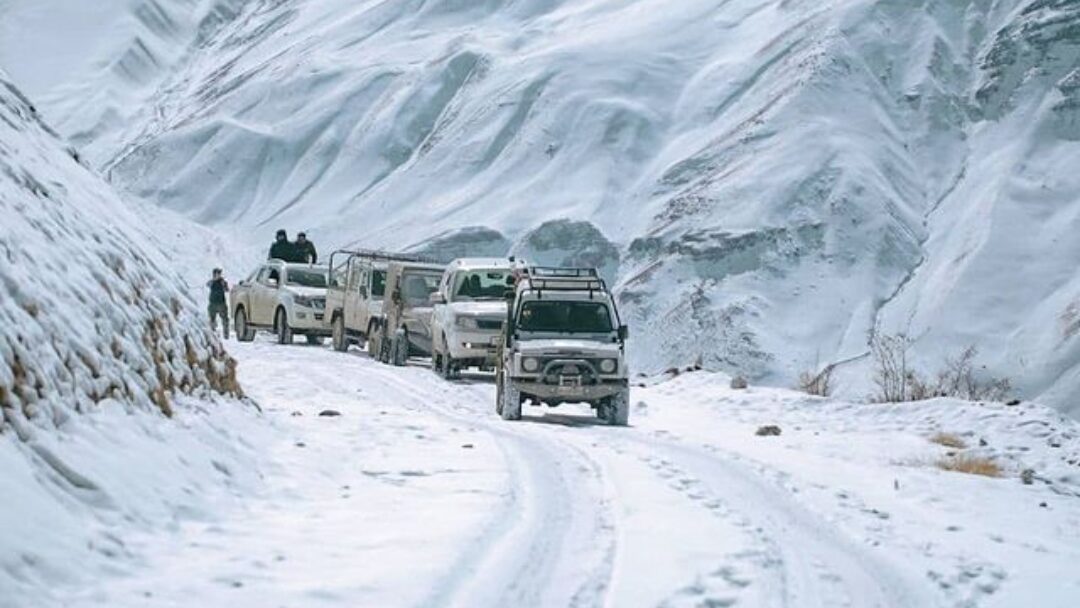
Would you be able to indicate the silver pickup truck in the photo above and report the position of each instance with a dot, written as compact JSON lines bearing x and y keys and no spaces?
{"x":287,"y":299}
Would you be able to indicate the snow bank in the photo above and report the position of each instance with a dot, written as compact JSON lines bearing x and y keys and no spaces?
{"x":99,"y":345}
{"x":779,"y":177}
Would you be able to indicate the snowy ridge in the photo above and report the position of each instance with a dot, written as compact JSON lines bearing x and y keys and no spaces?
{"x":777,"y":180}
{"x":98,"y":346}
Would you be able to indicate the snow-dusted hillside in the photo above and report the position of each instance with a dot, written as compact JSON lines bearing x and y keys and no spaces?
{"x":98,"y":346}
{"x":770,"y":180}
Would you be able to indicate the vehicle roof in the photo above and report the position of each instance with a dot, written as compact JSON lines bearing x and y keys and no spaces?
{"x":293,"y":265}
{"x":416,"y":266}
{"x":476,"y":263}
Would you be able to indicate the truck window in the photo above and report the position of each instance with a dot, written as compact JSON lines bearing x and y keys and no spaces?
{"x":416,"y":288}
{"x":378,"y":283}
{"x":565,"y":317}
{"x":480,"y":284}
{"x":303,"y":277}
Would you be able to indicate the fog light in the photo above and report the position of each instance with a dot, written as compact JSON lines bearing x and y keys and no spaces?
{"x":530,"y":364}
{"x":609,"y":365}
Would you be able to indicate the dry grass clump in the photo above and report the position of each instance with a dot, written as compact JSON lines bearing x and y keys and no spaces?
{"x":948,"y":440}
{"x":970,"y":464}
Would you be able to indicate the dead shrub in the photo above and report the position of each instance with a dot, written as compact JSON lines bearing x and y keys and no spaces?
{"x":948,"y":440}
{"x":897,"y":381}
{"x":970,"y":464}
{"x":819,"y":384}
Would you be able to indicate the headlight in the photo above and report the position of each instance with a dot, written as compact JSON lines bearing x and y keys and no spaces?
{"x":530,"y":364}
{"x":467,"y":323}
{"x":305,"y":301}
{"x":609,"y":365}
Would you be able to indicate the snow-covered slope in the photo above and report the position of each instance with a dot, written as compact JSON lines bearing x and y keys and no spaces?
{"x":98,"y":346}
{"x":769,"y":180}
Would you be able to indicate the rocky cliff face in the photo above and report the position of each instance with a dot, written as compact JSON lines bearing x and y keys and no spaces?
{"x":770,"y":182}
{"x":89,"y":314}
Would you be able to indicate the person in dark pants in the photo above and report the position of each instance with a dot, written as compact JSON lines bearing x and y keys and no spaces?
{"x":218,"y":306}
{"x":305,"y":249}
{"x":282,"y":249}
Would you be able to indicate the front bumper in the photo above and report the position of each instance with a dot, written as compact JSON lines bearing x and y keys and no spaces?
{"x":556,"y":392}
{"x":309,"y":321}
{"x":474,"y":345}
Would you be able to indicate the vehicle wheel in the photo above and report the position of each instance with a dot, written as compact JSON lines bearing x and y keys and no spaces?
{"x":281,"y":326}
{"x":244,"y":333}
{"x":341,"y":343}
{"x":498,"y":394}
{"x":399,"y":349}
{"x":314,"y":340}
{"x":374,"y":342}
{"x":615,"y":410}
{"x":511,"y":400}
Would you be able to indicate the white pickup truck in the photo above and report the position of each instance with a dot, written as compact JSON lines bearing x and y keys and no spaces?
{"x":470,"y":309}
{"x":285,"y":298}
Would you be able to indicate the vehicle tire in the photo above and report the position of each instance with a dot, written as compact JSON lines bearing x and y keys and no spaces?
{"x":281,"y":327}
{"x":498,"y":394}
{"x":341,"y":343}
{"x":244,"y":333}
{"x":615,"y":410}
{"x":511,"y":400}
{"x":374,"y":342}
{"x":399,"y":349}
{"x":314,"y":340}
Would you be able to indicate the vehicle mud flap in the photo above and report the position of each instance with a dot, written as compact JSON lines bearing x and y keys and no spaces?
{"x":511,"y":400}
{"x":399,"y":350}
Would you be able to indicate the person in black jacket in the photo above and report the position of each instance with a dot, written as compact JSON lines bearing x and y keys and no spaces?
{"x":282,"y":249}
{"x":305,"y":250}
{"x":218,"y":306}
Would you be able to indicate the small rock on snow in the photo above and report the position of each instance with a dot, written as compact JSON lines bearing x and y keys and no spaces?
{"x":769,"y":430}
{"x":329,"y":413}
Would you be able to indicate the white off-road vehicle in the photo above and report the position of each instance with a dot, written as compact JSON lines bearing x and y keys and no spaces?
{"x":405,"y":329}
{"x":470,"y":308}
{"x":563,"y":342}
{"x":287,"y":299}
{"x":354,"y":300}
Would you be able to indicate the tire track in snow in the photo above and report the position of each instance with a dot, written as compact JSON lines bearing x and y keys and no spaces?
{"x":553,"y":543}
{"x":816,"y":564}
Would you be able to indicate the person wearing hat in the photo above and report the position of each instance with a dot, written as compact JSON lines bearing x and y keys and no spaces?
{"x":218,"y":306}
{"x":305,"y":249}
{"x":282,"y":249}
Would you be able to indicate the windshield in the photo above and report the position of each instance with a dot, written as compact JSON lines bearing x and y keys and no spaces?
{"x":303,"y":277}
{"x":480,"y":285}
{"x":416,"y":288}
{"x":378,"y":283}
{"x":565,"y":317}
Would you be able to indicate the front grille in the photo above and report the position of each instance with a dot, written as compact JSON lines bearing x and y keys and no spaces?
{"x":489,"y":323}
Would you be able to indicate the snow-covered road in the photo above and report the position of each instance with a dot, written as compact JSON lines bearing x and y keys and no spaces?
{"x":418,"y":495}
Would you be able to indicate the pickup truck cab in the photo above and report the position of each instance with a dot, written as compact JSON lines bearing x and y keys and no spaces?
{"x":284,"y":298}
{"x":469,"y":312}
{"x":563,"y":342}
{"x":354,"y":299}
{"x":405,"y":329}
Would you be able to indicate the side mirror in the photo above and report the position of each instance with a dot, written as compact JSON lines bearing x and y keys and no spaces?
{"x":272,"y":282}
{"x":395,"y":297}
{"x":362,"y":290}
{"x":624,"y":333}
{"x":436,"y":298}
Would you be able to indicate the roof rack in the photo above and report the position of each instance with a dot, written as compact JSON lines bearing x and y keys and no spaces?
{"x":374,"y":255}
{"x":549,"y":278}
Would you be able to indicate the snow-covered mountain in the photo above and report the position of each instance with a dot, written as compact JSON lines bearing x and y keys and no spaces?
{"x":768,"y":180}
{"x":98,"y":346}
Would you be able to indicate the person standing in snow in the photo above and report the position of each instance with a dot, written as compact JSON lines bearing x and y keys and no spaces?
{"x":282,"y":249}
{"x":305,"y":249}
{"x":218,"y":306}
